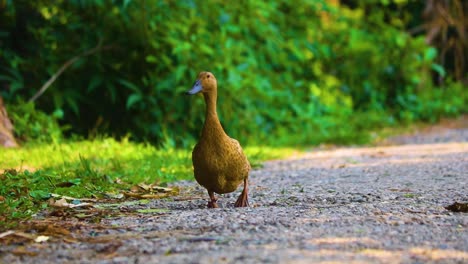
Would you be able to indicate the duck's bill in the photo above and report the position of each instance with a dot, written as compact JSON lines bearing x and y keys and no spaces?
{"x":197,"y":87}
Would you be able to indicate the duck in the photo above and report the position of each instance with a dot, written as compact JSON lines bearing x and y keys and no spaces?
{"x":219,"y":163}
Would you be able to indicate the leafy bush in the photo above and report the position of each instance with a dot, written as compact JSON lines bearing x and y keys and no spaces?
{"x":288,"y":71}
{"x":34,"y":125}
{"x":433,"y":104}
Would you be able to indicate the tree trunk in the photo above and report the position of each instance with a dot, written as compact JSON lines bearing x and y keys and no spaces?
{"x":446,"y":25}
{"x":6,"y":128}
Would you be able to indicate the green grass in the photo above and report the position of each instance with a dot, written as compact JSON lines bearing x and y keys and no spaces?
{"x":30,"y":174}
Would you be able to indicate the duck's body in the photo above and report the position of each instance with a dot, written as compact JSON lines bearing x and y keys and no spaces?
{"x":219,"y":163}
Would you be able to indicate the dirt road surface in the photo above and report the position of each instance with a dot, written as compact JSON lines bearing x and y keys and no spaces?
{"x":382,"y":204}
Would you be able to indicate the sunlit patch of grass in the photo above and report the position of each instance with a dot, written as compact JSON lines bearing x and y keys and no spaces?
{"x":92,"y":169}
{"x":258,"y":154}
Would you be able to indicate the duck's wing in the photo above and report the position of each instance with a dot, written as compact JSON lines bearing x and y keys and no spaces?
{"x":239,"y":153}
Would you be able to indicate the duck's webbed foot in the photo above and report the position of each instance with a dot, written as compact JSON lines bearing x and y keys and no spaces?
{"x":243,"y":200}
{"x":212,"y":203}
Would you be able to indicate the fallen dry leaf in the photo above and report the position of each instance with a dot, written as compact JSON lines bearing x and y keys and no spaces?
{"x":164,"y":189}
{"x":458,"y":207}
{"x":7,"y":233}
{"x":114,"y":195}
{"x":145,"y":191}
{"x":58,"y":203}
{"x":151,"y":188}
{"x":54,"y":195}
{"x":144,"y":186}
{"x":24,"y":235}
{"x":11,"y":237}
{"x":62,"y":203}
{"x":155,"y":196}
{"x":49,"y":229}
{"x":41,"y":239}
{"x":135,"y":188}
{"x":132,"y":194}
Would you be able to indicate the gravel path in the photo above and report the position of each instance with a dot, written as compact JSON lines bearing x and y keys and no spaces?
{"x":381,"y":204}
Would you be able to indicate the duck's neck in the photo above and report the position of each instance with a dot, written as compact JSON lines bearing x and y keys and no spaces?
{"x":210,"y":101}
{"x":212,"y":127}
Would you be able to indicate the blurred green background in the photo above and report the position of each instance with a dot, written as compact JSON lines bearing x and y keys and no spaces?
{"x":289,"y":72}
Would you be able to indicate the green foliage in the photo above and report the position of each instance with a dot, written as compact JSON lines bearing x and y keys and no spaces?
{"x":432,"y":104}
{"x":90,"y":169}
{"x":34,"y":125}
{"x":301,"y":68}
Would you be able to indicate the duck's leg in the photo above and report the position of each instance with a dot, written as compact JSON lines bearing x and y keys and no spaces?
{"x":243,"y":200}
{"x":212,"y":203}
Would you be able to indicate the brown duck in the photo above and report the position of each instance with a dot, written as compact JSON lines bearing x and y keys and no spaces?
{"x":219,"y":163}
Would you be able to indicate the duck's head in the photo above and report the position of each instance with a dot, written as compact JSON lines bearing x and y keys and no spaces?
{"x":205,"y":83}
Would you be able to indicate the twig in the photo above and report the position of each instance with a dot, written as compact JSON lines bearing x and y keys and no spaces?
{"x":64,"y":67}
{"x":7,"y":233}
